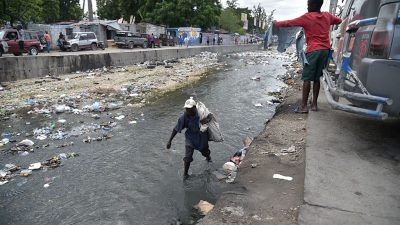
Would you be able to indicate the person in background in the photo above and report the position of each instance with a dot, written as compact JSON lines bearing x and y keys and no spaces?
{"x":47,"y":38}
{"x":316,"y":25}
{"x":180,"y":40}
{"x":208,"y":40}
{"x":61,"y":39}
{"x":21,"y":38}
{"x":187,"y":40}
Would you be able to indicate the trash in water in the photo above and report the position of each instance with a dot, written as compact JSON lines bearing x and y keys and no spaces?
{"x":25,"y":173}
{"x":231,"y":177}
{"x":254,"y":165}
{"x":24,"y":153}
{"x":41,"y":137}
{"x":3,"y":182}
{"x":56,"y":161}
{"x":26,"y":142}
{"x":5,"y":141}
{"x":120,"y":117}
{"x":35,"y":166}
{"x":133,"y":122}
{"x":278,"y":176}
{"x":256,"y":78}
{"x":62,"y":121}
{"x":11,"y":167}
{"x":204,"y":207}
{"x":258,"y":105}
{"x":46,"y":185}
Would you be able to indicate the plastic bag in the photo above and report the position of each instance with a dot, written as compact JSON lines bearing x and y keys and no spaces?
{"x":214,"y":133}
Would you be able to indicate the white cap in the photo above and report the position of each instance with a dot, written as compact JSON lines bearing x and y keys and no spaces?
{"x":189,"y":103}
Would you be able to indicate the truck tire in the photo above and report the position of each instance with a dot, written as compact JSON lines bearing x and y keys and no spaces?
{"x":33,"y":50}
{"x":93,"y":46}
{"x":131,"y":45}
{"x":74,"y":48}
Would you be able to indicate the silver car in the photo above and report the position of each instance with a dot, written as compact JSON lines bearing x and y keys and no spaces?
{"x":82,"y":40}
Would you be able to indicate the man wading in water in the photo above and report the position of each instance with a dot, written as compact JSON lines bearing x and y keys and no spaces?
{"x":194,"y":138}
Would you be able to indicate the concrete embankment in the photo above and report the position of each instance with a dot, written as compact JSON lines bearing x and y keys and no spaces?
{"x":17,"y":68}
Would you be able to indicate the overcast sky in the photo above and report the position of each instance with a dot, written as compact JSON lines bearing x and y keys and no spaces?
{"x":285,"y":9}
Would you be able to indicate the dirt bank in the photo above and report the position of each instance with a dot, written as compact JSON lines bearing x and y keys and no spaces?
{"x":256,"y":197}
{"x":133,"y":85}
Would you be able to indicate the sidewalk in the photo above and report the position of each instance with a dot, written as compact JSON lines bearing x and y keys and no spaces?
{"x":352,"y":170}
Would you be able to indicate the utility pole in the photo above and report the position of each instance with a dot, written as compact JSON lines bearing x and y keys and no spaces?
{"x":83,"y":7}
{"x":332,"y":7}
{"x":90,"y":9}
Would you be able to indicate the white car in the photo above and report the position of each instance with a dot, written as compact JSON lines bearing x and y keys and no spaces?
{"x":82,"y":40}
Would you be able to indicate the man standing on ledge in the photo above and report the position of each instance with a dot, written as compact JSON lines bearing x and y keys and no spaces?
{"x":316,"y":26}
{"x":194,"y":138}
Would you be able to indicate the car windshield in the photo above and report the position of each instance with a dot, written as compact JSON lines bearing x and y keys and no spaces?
{"x":76,"y":36}
{"x":2,"y":34}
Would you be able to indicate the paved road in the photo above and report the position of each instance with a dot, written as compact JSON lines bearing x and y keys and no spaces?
{"x":352,"y":170}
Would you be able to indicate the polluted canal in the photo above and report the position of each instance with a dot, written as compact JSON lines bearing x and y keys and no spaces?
{"x":129,"y":177}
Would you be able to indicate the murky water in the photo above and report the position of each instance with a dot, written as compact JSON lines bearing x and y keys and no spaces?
{"x":132,"y":178}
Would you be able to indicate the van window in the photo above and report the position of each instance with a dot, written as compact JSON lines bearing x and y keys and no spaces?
{"x":363,"y":9}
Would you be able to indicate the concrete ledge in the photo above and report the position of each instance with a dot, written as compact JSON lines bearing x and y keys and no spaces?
{"x":17,"y":68}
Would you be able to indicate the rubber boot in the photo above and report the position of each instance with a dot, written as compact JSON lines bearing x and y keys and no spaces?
{"x":186,"y":166}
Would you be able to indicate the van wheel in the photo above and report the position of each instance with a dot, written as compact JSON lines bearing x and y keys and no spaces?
{"x":33,"y":51}
{"x":93,"y":46}
{"x":74,"y":48}
{"x":131,"y":45}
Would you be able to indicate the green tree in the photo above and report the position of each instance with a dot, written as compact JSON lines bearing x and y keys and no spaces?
{"x":233,"y":4}
{"x":50,"y":10}
{"x":109,"y":9}
{"x":230,"y":21}
{"x":22,"y":11}
{"x":70,"y":10}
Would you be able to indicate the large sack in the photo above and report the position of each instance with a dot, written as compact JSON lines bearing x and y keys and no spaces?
{"x":214,"y":133}
{"x":203,"y":113}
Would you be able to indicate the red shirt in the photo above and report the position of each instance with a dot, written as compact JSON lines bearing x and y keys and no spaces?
{"x":316,"y":27}
{"x":47,"y":37}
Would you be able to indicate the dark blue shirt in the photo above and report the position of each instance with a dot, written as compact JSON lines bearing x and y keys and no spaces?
{"x":193,"y":136}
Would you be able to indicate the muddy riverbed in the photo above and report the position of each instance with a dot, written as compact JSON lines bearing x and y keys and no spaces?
{"x":124,"y":174}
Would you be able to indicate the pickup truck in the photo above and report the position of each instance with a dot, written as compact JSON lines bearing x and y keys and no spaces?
{"x":130,"y":40}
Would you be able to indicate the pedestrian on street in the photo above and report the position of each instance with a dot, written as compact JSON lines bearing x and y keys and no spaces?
{"x":180,"y":40}
{"x":208,"y":40}
{"x":187,"y":41}
{"x":47,"y":38}
{"x":316,"y":25}
{"x":21,"y":38}
{"x":194,"y":138}
{"x":214,"y":40}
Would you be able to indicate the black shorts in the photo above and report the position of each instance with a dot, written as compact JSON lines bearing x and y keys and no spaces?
{"x":189,"y":150}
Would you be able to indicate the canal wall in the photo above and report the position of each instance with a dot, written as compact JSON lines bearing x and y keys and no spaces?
{"x":18,"y":68}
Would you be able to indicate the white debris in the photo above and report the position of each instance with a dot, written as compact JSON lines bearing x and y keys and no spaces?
{"x":46,"y":185}
{"x":26,"y":142}
{"x":62,"y":121}
{"x":229,"y":167}
{"x":235,"y":211}
{"x":133,"y":122}
{"x":258,"y":105}
{"x":278,"y":176}
{"x":41,"y":137}
{"x":291,"y":149}
{"x":3,"y":182}
{"x":121,"y":117}
{"x":35,"y":166}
